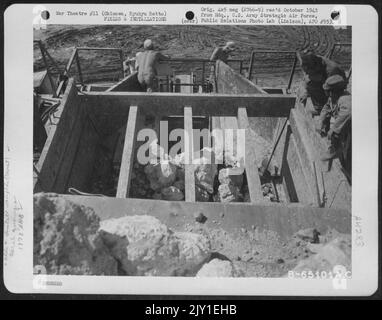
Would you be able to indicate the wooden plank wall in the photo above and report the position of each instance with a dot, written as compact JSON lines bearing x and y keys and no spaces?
{"x":311,"y":145}
{"x":82,"y":167}
{"x":285,"y":220}
{"x":61,"y":143}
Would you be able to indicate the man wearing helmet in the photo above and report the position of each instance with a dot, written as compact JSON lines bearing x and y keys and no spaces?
{"x":147,"y":63}
{"x":316,"y":70}
{"x":338,"y":106}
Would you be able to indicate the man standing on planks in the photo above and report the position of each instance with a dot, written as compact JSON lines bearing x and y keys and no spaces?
{"x":316,"y":70}
{"x":147,"y":62}
{"x":338,"y":106}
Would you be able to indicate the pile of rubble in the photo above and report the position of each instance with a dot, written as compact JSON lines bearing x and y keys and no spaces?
{"x":165,"y":179}
{"x":70,"y":239}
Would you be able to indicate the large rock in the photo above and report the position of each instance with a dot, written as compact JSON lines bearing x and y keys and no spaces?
{"x":201,"y":195}
{"x":155,"y":250}
{"x":337,"y":252}
{"x":205,"y":174}
{"x":180,"y":184}
{"x":172,"y":194}
{"x":234,"y":176}
{"x":161,"y":175}
{"x":67,"y":240}
{"x":217,"y":268}
{"x":228,"y":192}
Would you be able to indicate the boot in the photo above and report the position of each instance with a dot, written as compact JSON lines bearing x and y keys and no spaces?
{"x":334,"y":149}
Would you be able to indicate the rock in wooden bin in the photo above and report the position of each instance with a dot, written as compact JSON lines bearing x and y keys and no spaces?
{"x":231,"y":175}
{"x":172,"y":194}
{"x":161,"y":175}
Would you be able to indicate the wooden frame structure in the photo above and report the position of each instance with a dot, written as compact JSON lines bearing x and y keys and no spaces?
{"x":189,"y":105}
{"x":75,"y":58}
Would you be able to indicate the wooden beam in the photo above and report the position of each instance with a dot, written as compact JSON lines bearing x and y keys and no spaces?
{"x":54,"y":149}
{"x":66,"y":71}
{"x":285,"y":220}
{"x":189,"y":150}
{"x":79,"y":69}
{"x":253,"y":178}
{"x":258,"y":105}
{"x":128,"y":154}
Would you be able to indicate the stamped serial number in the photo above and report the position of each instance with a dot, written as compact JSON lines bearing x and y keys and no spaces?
{"x":308,"y":274}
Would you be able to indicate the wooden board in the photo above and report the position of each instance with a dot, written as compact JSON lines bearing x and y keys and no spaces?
{"x":302,"y":184}
{"x":189,"y":147}
{"x":283,"y":220}
{"x":253,"y":178}
{"x":334,"y":183}
{"x":128,"y":154}
{"x":184,"y":79}
{"x":229,"y":81}
{"x":70,"y":152}
{"x":53,"y":153}
{"x":258,"y":105}
{"x":83,"y":163}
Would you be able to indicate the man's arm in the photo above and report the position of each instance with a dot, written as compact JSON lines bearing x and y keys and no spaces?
{"x":303,"y":90}
{"x":161,"y":57}
{"x":214,"y":55}
{"x":344,"y":114}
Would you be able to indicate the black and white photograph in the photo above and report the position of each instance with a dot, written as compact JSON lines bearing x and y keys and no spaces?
{"x":202,"y":150}
{"x":197,"y":151}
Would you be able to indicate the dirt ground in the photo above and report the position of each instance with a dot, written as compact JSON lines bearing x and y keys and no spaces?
{"x":193,"y":41}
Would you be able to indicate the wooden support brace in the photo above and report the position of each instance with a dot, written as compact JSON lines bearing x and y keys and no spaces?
{"x":79,"y":69}
{"x":253,"y":178}
{"x":189,"y":150}
{"x":128,"y":154}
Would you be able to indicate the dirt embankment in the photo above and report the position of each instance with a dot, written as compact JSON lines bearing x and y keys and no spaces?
{"x":193,"y":41}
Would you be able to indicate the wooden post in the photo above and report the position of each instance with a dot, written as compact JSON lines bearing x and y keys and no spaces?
{"x":79,"y":69}
{"x":203,"y":75}
{"x":128,"y":154}
{"x":253,"y":178}
{"x":292,"y":73}
{"x":121,"y":58}
{"x":66,"y":71}
{"x":251,"y":66}
{"x":189,"y":151}
{"x":47,"y":69}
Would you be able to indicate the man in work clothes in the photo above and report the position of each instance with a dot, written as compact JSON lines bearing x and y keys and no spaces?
{"x":316,"y":70}
{"x":220,"y":53}
{"x":338,"y":106}
{"x":147,"y":62}
{"x":223,"y":53}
